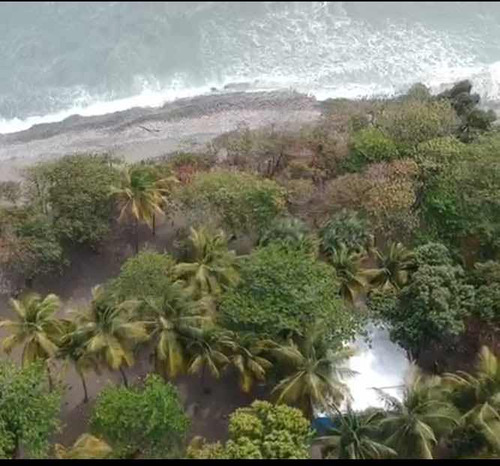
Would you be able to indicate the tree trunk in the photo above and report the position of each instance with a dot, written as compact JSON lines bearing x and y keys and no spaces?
{"x":124,"y":376}
{"x":49,"y":376}
{"x":17,"y":450}
{"x":204,"y":387}
{"x":154,"y":224}
{"x":86,"y":394}
{"x":137,"y":236}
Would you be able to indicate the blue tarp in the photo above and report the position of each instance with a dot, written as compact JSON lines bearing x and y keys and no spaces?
{"x":323,"y":425}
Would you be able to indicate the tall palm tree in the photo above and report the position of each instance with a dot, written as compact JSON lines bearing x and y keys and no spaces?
{"x":74,"y":350}
{"x":393,"y":268}
{"x":142,"y":195}
{"x":415,"y":425}
{"x":357,"y":437}
{"x":314,"y":373}
{"x":86,"y":447}
{"x":171,"y":322}
{"x":478,"y":397}
{"x":35,"y":327}
{"x":111,"y":332}
{"x":347,"y":265}
{"x":246,"y":357}
{"x":212,"y":265}
{"x":207,"y":350}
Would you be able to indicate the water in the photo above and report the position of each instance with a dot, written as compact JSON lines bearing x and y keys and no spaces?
{"x":61,"y":58}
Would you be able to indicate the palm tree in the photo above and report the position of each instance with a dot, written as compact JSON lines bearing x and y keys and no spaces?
{"x":207,"y":348}
{"x":347,"y":265}
{"x":246,"y":357}
{"x":314,"y":372}
{"x":35,"y":327}
{"x":171,"y":322}
{"x":213,"y":266}
{"x":86,"y":447}
{"x":111,"y":331}
{"x":141,"y":195}
{"x":357,"y":437}
{"x":415,"y":425}
{"x":74,"y":350}
{"x":478,"y":397}
{"x":393,"y":269}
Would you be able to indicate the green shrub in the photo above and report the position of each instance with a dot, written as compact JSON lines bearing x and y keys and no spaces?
{"x":370,"y":145}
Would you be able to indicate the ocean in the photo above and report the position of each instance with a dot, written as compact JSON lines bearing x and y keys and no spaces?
{"x":62,"y":58}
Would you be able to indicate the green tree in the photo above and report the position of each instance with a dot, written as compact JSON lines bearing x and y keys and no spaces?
{"x":212,"y":266}
{"x":393,"y":269}
{"x":357,"y":437}
{"x":86,"y":447}
{"x":73,"y":350}
{"x":478,"y":398}
{"x":347,"y":265}
{"x":141,"y":196}
{"x":281,"y":291}
{"x":314,"y":373}
{"x":110,"y":332}
{"x":243,"y":202}
{"x":76,"y":195}
{"x":415,"y":425}
{"x":260,"y":431}
{"x":148,"y":421}
{"x":29,"y":411}
{"x":36,"y":328}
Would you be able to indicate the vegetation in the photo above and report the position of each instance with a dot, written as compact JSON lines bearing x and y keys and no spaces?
{"x":147,"y":421}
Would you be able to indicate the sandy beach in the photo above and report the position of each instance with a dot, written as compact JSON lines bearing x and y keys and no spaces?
{"x":138,"y":133}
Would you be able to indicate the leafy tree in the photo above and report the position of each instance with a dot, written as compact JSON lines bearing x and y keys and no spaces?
{"x":213,"y":266}
{"x":260,"y":431}
{"x":147,"y":420}
{"x":35,"y":327}
{"x":346,"y":227}
{"x":86,"y":447}
{"x":415,"y":425}
{"x":477,"y":397}
{"x":486,"y":278}
{"x":243,"y":202}
{"x":433,"y":254}
{"x":357,"y":437}
{"x":314,"y":373}
{"x":144,"y":276}
{"x":29,"y":411}
{"x":110,"y":332}
{"x":431,"y":308}
{"x":393,"y":268}
{"x":75,"y":190}
{"x":280,"y":292}
{"x":351,"y":277}
{"x":141,"y":195}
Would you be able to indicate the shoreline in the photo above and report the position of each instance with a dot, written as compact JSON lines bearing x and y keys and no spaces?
{"x":139,"y":133}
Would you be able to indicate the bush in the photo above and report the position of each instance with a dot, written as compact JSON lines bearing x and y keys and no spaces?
{"x":143,"y":276}
{"x":261,"y":431}
{"x":76,"y":190}
{"x":280,"y":292}
{"x":432,"y":254}
{"x":149,"y":420}
{"x":242,"y":201}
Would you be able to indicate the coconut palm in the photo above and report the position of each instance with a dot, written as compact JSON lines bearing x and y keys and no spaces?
{"x":212,"y":265}
{"x":110,"y":331}
{"x":393,"y":268}
{"x":142,"y":195}
{"x":171,"y":322}
{"x":314,"y":373}
{"x":86,"y":447}
{"x":246,"y":357}
{"x":74,"y":350}
{"x":35,"y":327}
{"x":415,"y":425}
{"x":207,"y":348}
{"x":478,"y":397}
{"x":357,"y":436}
{"x":347,"y":265}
